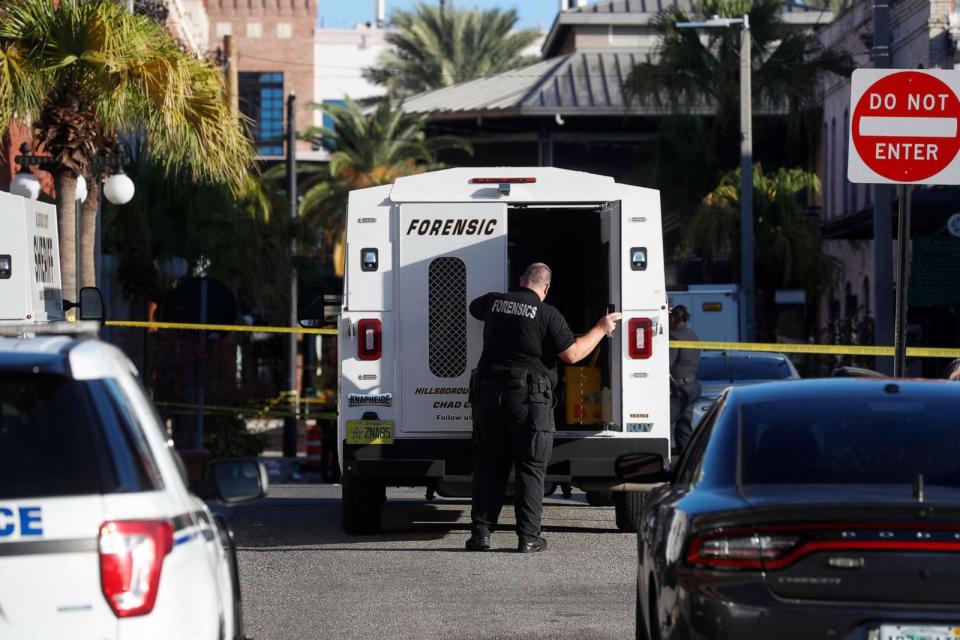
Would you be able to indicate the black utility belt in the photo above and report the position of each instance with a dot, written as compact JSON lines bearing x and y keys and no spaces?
{"x":515,"y":377}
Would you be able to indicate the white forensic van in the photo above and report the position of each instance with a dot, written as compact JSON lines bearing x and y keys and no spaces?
{"x":419,"y":250}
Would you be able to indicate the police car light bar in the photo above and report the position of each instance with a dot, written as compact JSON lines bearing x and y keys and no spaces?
{"x":502,"y":180}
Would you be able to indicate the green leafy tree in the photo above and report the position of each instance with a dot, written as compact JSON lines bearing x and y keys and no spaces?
{"x":789,"y":248}
{"x":83,"y":72}
{"x":369,"y":148}
{"x":696,"y":68}
{"x":435,"y":47}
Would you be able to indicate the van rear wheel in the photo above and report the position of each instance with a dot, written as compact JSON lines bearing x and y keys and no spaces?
{"x":360,"y":505}
{"x":600,"y":498}
{"x":627,"y":505}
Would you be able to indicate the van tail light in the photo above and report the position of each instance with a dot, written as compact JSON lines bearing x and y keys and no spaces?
{"x":369,"y":339}
{"x":640,"y":338}
{"x":739,"y":550}
{"x":502,"y":180}
{"x":131,"y":558}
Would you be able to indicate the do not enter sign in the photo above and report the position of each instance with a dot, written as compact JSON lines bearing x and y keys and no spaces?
{"x":904,"y":127}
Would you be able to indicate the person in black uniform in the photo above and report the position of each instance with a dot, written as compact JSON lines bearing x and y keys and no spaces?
{"x":684,"y":386}
{"x":512,"y":398}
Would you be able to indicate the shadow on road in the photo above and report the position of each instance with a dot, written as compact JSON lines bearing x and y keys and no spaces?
{"x":286,"y":521}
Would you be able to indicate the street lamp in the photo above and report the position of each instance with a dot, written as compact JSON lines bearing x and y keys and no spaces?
{"x":118,"y":189}
{"x":747,"y":279}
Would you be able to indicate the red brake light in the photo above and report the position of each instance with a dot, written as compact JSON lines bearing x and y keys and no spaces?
{"x":738,"y":549}
{"x":502,"y":180}
{"x":131,"y":558}
{"x":369,"y":339}
{"x":640,"y":338}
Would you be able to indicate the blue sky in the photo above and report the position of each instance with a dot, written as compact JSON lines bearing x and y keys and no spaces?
{"x":347,"y":13}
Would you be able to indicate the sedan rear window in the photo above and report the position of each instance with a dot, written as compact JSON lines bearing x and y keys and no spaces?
{"x":732,"y":369}
{"x":61,"y":437}
{"x":851,"y":441}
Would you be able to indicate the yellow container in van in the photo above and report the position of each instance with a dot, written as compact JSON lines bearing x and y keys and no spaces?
{"x":582,"y":386}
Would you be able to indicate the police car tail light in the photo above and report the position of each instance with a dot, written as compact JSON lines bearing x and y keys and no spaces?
{"x":131,"y":558}
{"x":739,"y":550}
{"x":640,"y":338}
{"x":369,"y":339}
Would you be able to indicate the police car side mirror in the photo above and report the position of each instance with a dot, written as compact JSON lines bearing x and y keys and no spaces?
{"x":239,"y":480}
{"x":641,"y":468}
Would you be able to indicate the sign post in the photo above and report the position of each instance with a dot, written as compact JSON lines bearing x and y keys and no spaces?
{"x":904,"y":130}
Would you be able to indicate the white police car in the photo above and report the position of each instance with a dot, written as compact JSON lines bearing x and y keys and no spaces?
{"x":99,"y":535}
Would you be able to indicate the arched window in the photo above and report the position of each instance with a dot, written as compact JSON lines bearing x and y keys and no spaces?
{"x":847,"y":203}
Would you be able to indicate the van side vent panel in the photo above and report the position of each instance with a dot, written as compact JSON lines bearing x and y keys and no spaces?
{"x":448,"y":317}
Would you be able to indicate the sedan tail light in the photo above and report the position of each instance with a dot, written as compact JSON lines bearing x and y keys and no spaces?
{"x":775,"y":546}
{"x":640,"y":338}
{"x":739,"y":550}
{"x":369,"y":339}
{"x":131,"y":558}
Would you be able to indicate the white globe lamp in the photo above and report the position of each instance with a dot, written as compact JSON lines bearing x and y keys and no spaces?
{"x":118,"y":189}
{"x":25,"y":184}
{"x":81,"y":189}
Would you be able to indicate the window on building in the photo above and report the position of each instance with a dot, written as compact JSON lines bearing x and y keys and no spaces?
{"x":827,"y":169}
{"x":261,"y":100}
{"x":847,"y":185}
{"x":254,"y":30}
{"x":284,"y":30}
{"x":224,"y":29}
{"x":835,"y":195}
{"x":328,"y":123}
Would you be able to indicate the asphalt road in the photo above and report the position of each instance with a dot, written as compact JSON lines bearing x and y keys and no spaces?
{"x":302,"y":577}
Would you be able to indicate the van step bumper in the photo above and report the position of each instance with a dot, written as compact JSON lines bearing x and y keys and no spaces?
{"x":423,"y":460}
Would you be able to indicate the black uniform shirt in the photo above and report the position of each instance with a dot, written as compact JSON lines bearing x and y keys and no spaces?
{"x":521,"y":331}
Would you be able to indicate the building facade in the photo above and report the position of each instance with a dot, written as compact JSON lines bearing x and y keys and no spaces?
{"x":924,"y":35}
{"x":274,"y":45}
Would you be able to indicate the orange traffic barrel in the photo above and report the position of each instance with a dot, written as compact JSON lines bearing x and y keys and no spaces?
{"x":314,"y":445}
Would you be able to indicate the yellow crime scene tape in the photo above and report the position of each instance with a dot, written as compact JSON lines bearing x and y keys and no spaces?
{"x":269,"y":408}
{"x":237,"y":328}
{"x":818,"y":349}
{"x":814,"y":349}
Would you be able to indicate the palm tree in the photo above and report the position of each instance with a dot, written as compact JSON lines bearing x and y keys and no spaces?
{"x":436,"y":47}
{"x":369,"y":148}
{"x":84,"y":72}
{"x":692,"y":67}
{"x":788,"y":242}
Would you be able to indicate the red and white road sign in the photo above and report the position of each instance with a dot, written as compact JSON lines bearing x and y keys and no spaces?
{"x":904,"y":127}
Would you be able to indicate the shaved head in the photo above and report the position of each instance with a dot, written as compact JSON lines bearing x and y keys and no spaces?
{"x":537,"y":274}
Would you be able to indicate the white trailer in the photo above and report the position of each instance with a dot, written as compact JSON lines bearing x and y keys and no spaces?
{"x":419,"y":250}
{"x":714,"y":310}
{"x":29,"y":262}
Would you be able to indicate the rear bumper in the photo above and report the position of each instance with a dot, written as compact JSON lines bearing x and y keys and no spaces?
{"x":752,"y":611}
{"x":422,"y":461}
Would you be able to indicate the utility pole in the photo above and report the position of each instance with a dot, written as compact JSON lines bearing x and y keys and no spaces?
{"x":290,"y":422}
{"x":232,"y":76}
{"x":882,"y":208}
{"x":747,"y":277}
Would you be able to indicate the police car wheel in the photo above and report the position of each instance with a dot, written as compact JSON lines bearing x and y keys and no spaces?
{"x":600,"y":498}
{"x":628,"y":505}
{"x":360,"y":505}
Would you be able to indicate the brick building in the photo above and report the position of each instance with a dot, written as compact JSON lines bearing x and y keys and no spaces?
{"x":274,"y":42}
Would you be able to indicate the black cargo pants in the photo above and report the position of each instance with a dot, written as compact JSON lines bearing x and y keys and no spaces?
{"x":682,"y":398}
{"x":512,"y":429}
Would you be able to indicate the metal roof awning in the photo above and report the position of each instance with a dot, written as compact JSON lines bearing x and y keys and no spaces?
{"x":586,"y":83}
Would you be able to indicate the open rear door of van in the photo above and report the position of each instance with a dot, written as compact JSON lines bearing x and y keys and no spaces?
{"x":645,"y":334}
{"x":450,"y":253}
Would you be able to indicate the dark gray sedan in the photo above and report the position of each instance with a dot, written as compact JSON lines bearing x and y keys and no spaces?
{"x":808,"y":509}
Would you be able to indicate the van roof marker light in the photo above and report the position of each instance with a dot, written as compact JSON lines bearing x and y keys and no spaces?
{"x":502,"y":180}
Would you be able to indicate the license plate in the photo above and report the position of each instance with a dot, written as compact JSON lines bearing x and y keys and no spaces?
{"x":369,"y":431}
{"x":918,"y":632}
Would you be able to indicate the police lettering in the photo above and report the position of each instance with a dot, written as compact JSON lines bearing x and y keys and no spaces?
{"x":29,"y":520}
{"x":511,"y":307}
{"x":452,"y":227}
